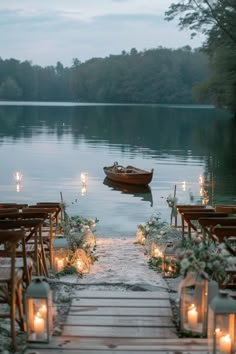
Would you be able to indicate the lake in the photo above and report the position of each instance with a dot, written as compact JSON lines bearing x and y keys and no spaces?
{"x":51,"y":144}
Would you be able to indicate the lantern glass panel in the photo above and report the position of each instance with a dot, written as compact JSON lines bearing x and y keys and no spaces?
{"x":195,"y":295}
{"x":39,"y":311}
{"x":60,"y":253}
{"x":222,"y":325}
{"x":39,"y":319}
{"x":60,"y":259}
{"x":169,"y":260}
{"x":221,"y":333}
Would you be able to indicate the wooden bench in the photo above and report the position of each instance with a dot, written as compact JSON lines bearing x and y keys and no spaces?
{"x":230,"y":209}
{"x":190,"y":217}
{"x":180,"y":208}
{"x":208,"y":225}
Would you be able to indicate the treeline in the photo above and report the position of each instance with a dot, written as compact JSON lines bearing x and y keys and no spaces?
{"x":217,"y":21}
{"x":152,"y":76}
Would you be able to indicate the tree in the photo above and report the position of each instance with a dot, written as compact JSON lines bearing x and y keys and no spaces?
{"x":10,"y":90}
{"x":217,"y":20}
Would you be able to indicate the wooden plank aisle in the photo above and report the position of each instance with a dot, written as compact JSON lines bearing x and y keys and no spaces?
{"x":107,"y":322}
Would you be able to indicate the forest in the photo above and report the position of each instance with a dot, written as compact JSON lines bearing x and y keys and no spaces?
{"x":158,"y":75}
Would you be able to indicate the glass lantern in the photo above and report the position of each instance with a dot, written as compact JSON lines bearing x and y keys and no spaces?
{"x":39,"y":311}
{"x":222,"y":325}
{"x":60,"y":253}
{"x":196,"y":293}
{"x":169,"y":260}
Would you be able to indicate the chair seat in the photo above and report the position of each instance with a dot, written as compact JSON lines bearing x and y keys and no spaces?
{"x":6,"y":261}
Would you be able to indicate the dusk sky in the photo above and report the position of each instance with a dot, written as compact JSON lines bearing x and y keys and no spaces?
{"x":47,"y":31}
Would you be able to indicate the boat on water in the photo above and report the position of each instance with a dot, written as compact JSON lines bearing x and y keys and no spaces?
{"x":142,"y":192}
{"x":129,"y":174}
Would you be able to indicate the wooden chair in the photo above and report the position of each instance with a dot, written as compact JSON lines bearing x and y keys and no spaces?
{"x":8,"y":210}
{"x":30,"y":249}
{"x":57,"y":205}
{"x":181,"y":207}
{"x":192,"y":217}
{"x":227,"y":234}
{"x":48,"y":228}
{"x":230,"y":209}
{"x":208,"y":225}
{"x":11,"y":279}
{"x":224,"y":233}
{"x":12,"y":205}
{"x":35,"y":248}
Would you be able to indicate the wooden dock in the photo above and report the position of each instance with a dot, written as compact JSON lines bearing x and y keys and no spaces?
{"x":104,"y":322}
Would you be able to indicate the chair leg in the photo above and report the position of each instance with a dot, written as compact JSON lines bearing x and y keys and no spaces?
{"x":13,"y":318}
{"x":20,"y":307}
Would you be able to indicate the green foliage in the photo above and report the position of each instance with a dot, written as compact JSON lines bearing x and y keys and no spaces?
{"x":152,"y":226}
{"x":158,"y":75}
{"x":152,"y":76}
{"x":205,"y":258}
{"x":10,"y":90}
{"x":216,"y":19}
{"x":155,"y":263}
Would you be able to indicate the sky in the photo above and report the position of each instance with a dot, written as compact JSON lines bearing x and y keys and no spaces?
{"x":47,"y":31}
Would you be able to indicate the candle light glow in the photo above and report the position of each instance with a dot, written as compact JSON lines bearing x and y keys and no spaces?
{"x":43,"y":311}
{"x":192,"y":317}
{"x":225,"y":344}
{"x":38,"y":324}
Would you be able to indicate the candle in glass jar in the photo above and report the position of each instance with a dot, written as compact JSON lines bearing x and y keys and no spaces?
{"x":192,"y":316}
{"x":38,"y":325}
{"x":225,"y":344}
{"x":59,"y":264}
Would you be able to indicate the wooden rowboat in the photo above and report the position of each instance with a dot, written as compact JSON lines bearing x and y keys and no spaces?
{"x":128,"y":175}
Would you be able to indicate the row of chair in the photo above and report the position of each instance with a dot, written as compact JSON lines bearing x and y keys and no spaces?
{"x":26,"y":234}
{"x":217,"y":224}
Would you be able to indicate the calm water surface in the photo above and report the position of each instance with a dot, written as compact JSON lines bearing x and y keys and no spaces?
{"x":52,"y":144}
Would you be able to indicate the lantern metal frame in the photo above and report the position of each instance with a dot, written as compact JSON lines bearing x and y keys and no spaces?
{"x":196,"y":292}
{"x":222,"y":325}
{"x":39,"y":311}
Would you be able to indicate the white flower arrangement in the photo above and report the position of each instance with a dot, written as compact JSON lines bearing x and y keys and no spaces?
{"x":204,"y":258}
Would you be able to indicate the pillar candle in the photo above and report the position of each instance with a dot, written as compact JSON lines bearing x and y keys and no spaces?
{"x":192,"y":317}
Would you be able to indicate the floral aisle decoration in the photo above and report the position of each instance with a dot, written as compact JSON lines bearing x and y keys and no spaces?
{"x":150,"y":229}
{"x":157,"y":236}
{"x":79,"y":232}
{"x":206,"y":259}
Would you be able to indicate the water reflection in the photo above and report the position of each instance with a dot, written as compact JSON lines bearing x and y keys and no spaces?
{"x":52,"y":143}
{"x":18,"y":176}
{"x":142,"y":192}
